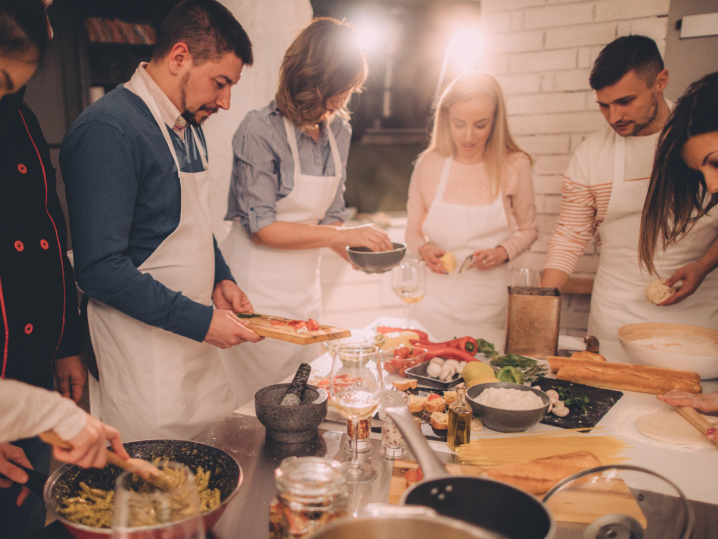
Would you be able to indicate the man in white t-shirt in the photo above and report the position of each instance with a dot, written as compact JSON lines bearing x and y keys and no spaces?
{"x":603,"y":193}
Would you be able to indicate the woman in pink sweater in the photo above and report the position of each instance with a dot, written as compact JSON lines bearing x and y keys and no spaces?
{"x":471,"y":195}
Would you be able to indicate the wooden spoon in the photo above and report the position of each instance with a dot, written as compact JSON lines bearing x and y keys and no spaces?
{"x":144,"y":469}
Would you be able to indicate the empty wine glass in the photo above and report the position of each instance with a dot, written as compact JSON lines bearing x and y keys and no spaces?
{"x":352,"y":389}
{"x":139,"y":504}
{"x":409,"y":282}
{"x":525,"y":277}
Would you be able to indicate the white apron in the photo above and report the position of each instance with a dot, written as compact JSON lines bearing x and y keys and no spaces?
{"x":154,"y":383}
{"x":460,"y":304}
{"x":280,"y":282}
{"x":618,"y":296}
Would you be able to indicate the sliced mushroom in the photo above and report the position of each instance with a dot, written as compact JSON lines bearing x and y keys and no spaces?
{"x":553,"y":395}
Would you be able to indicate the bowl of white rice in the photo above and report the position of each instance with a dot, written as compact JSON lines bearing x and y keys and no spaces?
{"x":672,"y":346}
{"x":505,"y":407}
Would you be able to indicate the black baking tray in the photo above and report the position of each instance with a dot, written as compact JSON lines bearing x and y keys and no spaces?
{"x":418,"y":372}
{"x":601,"y":401}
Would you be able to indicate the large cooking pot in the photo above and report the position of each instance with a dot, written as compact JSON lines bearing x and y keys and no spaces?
{"x":396,"y":522}
{"x":226,"y":476}
{"x":494,"y":506}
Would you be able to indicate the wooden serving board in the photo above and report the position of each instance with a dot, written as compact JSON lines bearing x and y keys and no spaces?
{"x":262,"y":325}
{"x":582,"y":504}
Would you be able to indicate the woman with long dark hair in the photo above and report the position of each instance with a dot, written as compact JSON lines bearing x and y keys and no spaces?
{"x":684,"y":185}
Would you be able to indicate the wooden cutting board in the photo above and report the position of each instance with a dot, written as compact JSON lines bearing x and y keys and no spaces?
{"x":582,"y":504}
{"x":262,"y":325}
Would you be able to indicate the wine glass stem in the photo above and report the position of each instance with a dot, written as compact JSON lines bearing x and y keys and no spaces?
{"x":410,"y":323}
{"x":355,"y":445}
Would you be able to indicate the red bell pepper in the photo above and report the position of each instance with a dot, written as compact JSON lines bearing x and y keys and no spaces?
{"x":447,"y":352}
{"x":384,"y":329}
{"x":467,"y":344}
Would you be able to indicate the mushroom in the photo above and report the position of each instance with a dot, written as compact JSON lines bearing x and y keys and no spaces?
{"x":553,"y":395}
{"x":460,"y":368}
{"x":447,"y":372}
{"x":550,"y":407}
{"x":452,"y":362}
{"x":437,"y":360}
{"x":560,"y":409}
{"x":434,"y":369}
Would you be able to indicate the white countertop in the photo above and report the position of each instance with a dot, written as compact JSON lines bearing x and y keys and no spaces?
{"x":695,"y":471}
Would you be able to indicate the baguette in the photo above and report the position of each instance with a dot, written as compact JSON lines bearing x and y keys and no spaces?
{"x":538,"y":476}
{"x":557,"y":363}
{"x":589,"y":356}
{"x":603,"y":375}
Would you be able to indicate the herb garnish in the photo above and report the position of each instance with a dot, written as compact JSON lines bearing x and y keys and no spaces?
{"x":568,"y":399}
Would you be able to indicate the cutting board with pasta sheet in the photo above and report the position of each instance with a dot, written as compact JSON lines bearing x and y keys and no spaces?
{"x":276,"y":327}
{"x":601,"y":401}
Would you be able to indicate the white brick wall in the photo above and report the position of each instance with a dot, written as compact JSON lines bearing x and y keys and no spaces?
{"x":541,"y":52}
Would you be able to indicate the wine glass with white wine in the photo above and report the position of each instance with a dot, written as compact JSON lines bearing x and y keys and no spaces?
{"x":409,"y":282}
{"x":352,"y":390}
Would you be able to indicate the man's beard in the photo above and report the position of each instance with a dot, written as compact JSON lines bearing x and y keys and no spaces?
{"x":638,"y":127}
{"x":189,"y":116}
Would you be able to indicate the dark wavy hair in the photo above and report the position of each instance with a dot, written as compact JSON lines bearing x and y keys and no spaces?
{"x":207,"y":28}
{"x":323,"y":61}
{"x":23,"y":27}
{"x":677,"y":196}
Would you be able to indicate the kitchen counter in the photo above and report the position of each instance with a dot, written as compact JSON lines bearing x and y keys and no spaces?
{"x":242,"y":436}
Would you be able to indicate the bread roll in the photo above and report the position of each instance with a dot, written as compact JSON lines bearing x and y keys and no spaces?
{"x":538,"y":476}
{"x":416,"y":404}
{"x":403,"y":385}
{"x":657,"y":292}
{"x":435,"y":405}
{"x":450,"y":396}
{"x":557,"y":363}
{"x":439,"y":420}
{"x":606,"y":375}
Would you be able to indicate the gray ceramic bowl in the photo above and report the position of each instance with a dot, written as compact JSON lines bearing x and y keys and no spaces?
{"x":371,"y":262}
{"x":506,"y":420}
{"x":290,"y":424}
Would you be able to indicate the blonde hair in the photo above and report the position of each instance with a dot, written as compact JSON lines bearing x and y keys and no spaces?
{"x":323,"y":61}
{"x":500,"y":143}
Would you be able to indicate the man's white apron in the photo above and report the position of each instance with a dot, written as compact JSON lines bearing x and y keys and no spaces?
{"x":280,"y":282}
{"x":618,"y":296}
{"x":154,"y":383}
{"x":460,"y":304}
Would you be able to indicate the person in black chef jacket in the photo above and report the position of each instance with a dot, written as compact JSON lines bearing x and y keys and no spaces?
{"x":39,"y":322}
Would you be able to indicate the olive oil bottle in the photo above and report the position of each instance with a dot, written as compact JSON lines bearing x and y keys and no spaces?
{"x":459,"y":422}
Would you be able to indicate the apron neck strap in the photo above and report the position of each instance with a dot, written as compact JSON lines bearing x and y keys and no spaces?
{"x":619,"y":158}
{"x":292,"y":137}
{"x":444,"y":179}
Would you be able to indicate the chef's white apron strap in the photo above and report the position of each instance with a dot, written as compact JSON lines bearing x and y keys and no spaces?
{"x":619,"y":160}
{"x":441,"y":188}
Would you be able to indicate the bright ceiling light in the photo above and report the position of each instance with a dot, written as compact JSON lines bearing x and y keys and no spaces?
{"x":464,"y":50}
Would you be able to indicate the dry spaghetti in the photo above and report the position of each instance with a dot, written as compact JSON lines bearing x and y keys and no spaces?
{"x":491,"y":451}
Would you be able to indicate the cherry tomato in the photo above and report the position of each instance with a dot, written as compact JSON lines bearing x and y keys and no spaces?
{"x":402,"y":352}
{"x":397,"y":363}
{"x":388,"y":367}
{"x":433,"y":396}
{"x":401,"y":372}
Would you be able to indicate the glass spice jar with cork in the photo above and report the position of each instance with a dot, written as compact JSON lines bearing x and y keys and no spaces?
{"x":311,"y":491}
{"x":459,"y":421}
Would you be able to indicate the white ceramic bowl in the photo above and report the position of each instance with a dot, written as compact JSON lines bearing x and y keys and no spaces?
{"x":705,"y":366}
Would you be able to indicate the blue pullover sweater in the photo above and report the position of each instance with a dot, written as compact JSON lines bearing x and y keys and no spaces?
{"x":124,"y":199}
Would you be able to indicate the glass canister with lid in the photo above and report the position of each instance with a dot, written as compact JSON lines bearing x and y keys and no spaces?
{"x":311,"y":491}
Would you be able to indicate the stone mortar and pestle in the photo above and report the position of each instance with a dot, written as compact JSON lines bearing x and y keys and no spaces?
{"x":292,"y":412}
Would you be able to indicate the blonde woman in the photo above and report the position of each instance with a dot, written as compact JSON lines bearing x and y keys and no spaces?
{"x":286,"y":197}
{"x":471,"y":194}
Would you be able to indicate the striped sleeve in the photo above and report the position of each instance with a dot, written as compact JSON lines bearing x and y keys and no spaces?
{"x":583,"y":208}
